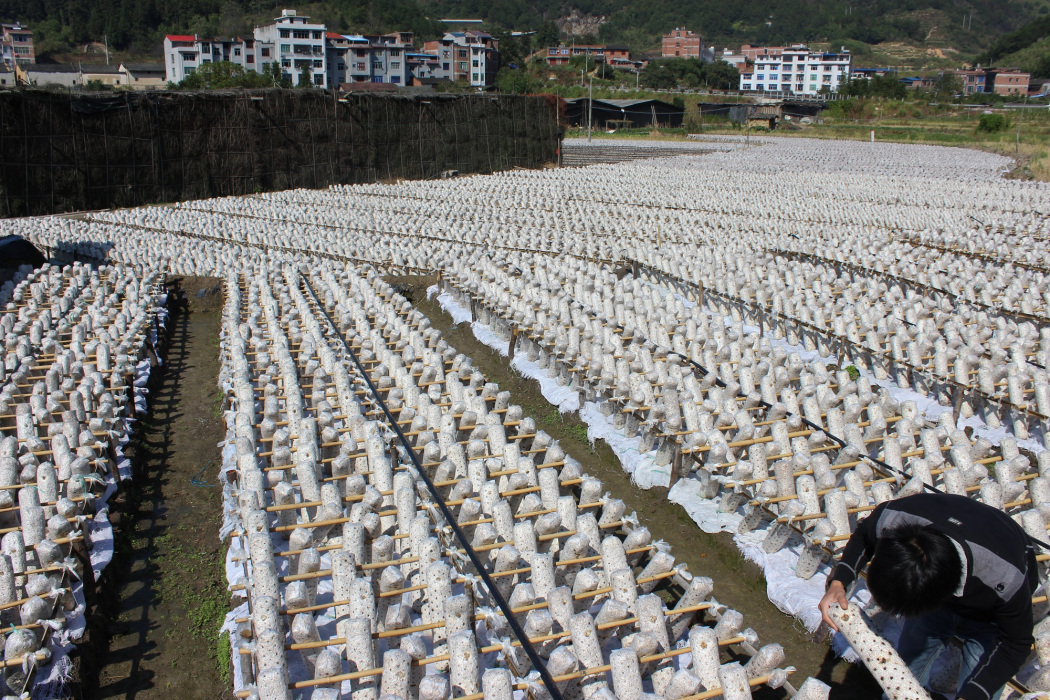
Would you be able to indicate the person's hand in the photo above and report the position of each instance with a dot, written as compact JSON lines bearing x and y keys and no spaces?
{"x":836,"y":594}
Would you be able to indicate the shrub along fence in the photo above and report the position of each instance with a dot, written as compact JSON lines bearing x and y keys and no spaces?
{"x":62,"y":152}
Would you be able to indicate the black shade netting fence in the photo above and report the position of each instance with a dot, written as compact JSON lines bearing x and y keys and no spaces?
{"x":62,"y":152}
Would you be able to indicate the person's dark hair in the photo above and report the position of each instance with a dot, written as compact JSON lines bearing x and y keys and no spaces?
{"x":914,"y":570}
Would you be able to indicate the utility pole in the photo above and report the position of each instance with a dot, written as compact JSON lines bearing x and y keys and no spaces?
{"x":590,"y":108}
{"x":1020,"y":120}
{"x":106,"y":38}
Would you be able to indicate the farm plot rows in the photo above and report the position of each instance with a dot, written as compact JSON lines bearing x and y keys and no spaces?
{"x":79,"y":344}
{"x":789,"y":335}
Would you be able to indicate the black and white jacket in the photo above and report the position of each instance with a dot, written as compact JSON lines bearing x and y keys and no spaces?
{"x":1000,"y":574}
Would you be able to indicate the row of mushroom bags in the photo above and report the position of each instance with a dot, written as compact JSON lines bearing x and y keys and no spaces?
{"x":354,"y":582}
{"x":850,"y":324}
{"x":78,"y":344}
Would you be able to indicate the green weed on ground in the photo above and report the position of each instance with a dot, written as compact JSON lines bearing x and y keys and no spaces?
{"x":187,"y":568}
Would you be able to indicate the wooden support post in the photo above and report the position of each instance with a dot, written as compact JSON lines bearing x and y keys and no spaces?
{"x":677,"y":463}
{"x":513,"y":342}
{"x":957,"y":403}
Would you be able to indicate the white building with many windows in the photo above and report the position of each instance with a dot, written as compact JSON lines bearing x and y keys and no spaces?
{"x":299,"y":45}
{"x":472,"y":57}
{"x":185,"y":53}
{"x":374,"y":58}
{"x":797,"y":70}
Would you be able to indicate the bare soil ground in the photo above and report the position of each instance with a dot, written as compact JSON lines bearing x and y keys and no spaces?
{"x":164,"y":596}
{"x":738,"y":583}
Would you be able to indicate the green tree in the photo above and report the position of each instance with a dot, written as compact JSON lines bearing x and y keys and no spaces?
{"x":886,"y":86}
{"x":722,"y":76}
{"x":223,"y":74}
{"x":658,"y":76}
{"x":606,"y":72}
{"x":305,"y":77}
{"x":518,"y":82}
{"x":547,"y":35}
{"x":948,"y":85}
{"x":275,"y":77}
{"x":992,"y":123}
{"x":510,"y":49}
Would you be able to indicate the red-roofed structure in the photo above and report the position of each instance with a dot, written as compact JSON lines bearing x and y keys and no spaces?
{"x":181,"y":38}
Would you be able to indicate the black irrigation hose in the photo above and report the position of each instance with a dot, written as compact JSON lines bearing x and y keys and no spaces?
{"x":501,"y":602}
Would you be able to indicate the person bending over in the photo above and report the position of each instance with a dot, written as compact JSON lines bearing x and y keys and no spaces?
{"x":952,"y":567}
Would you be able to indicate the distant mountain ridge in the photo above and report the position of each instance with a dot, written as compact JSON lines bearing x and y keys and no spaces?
{"x":969,"y":26}
{"x":1028,"y":49}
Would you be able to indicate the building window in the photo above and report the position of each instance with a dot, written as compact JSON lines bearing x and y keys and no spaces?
{"x":318,"y":64}
{"x":286,"y":48}
{"x":189,"y":70}
{"x":395,"y":52}
{"x":377,"y":78}
{"x":395,"y":65}
{"x":317,"y":35}
{"x":287,"y":63}
{"x":237,"y":51}
{"x":265,"y":53}
{"x":286,"y":33}
{"x":300,"y":34}
{"x":377,"y":66}
{"x":475,"y":63}
{"x":462,"y":53}
{"x":444,"y":66}
{"x":462,"y":65}
{"x":395,"y":79}
{"x":475,"y":77}
{"x":250,"y":58}
{"x":318,"y":78}
{"x":361,"y":66}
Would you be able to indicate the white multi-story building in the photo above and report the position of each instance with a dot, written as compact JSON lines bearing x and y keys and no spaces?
{"x":16,"y":44}
{"x":469,"y":56}
{"x":797,"y":71}
{"x":299,"y":45}
{"x":353,"y":58}
{"x":185,"y":53}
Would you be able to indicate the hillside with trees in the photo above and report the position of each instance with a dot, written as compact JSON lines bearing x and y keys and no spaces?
{"x":968,"y":26}
{"x":1028,"y":49}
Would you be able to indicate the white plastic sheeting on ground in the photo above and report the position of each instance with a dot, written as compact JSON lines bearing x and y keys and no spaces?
{"x":644,"y":470}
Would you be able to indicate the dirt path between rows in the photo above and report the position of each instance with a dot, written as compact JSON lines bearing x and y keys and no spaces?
{"x":738,"y":584}
{"x":164,"y":596}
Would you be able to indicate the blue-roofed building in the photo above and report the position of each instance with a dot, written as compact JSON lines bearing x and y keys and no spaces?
{"x":373,"y":58}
